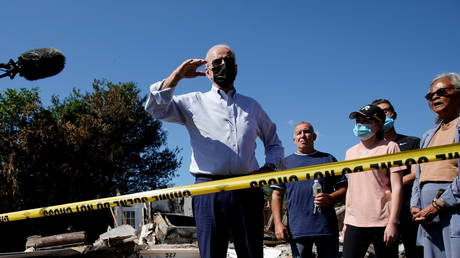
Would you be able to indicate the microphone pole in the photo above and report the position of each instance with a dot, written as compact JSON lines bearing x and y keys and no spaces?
{"x":10,"y":69}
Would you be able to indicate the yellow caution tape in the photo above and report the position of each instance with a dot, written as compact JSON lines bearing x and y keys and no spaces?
{"x":405,"y":158}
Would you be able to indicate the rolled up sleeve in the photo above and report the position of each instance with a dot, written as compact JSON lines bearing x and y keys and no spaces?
{"x":415,"y":196}
{"x":452,"y":194}
{"x":162,"y":104}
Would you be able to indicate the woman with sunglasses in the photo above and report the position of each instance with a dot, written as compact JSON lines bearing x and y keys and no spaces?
{"x":435,"y":201}
{"x":374,"y":197}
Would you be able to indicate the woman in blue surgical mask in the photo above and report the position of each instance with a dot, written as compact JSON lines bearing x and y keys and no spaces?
{"x":373,"y":198}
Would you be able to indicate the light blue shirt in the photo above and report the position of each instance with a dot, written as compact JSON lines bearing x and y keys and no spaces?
{"x":452,"y":194}
{"x":223,"y":128}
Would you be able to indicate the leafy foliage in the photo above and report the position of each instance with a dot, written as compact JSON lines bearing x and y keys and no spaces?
{"x":82,"y":147}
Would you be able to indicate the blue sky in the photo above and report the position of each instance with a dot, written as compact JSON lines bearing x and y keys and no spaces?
{"x":315,"y":61}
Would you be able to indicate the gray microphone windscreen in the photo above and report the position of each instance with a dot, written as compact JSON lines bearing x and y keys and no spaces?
{"x":40,"y":63}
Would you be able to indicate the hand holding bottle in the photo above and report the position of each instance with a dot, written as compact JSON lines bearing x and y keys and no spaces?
{"x":317,"y":189}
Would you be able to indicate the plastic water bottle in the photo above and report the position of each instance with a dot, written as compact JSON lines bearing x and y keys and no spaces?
{"x":316,"y":188}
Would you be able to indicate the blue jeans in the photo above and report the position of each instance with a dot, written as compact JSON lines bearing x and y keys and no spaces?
{"x":326,"y":246}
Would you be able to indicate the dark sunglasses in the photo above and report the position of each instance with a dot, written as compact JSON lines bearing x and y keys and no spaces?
{"x":218,"y":61}
{"x":365,"y":120}
{"x":441,"y":93}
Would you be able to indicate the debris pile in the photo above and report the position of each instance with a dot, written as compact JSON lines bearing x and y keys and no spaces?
{"x":174,"y":229}
{"x":163,"y":230}
{"x":35,"y":243}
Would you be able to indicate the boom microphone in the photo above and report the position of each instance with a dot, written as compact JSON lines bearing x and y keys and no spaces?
{"x":35,"y":64}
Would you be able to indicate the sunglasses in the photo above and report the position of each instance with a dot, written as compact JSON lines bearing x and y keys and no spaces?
{"x":218,"y":61}
{"x":365,"y":120}
{"x":441,"y":93}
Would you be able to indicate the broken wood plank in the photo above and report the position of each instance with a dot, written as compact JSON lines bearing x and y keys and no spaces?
{"x":60,"y":239}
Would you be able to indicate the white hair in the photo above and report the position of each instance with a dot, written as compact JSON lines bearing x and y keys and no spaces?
{"x":219,"y":46}
{"x":305,"y":123}
{"x":454,"y":79}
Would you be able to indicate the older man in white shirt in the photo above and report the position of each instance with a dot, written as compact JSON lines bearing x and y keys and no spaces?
{"x":223,"y":126}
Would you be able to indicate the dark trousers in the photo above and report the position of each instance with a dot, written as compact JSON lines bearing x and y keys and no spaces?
{"x":326,"y":247}
{"x":357,"y":240}
{"x":239,"y":212}
{"x":408,"y":233}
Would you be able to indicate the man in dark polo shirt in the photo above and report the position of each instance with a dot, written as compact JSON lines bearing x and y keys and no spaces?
{"x":308,"y":225}
{"x":407,"y":229}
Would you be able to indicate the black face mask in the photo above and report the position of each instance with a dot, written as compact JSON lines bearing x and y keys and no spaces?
{"x":224,"y":75}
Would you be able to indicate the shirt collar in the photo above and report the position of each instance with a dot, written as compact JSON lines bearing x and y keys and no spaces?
{"x":306,"y":154}
{"x":222,"y":94}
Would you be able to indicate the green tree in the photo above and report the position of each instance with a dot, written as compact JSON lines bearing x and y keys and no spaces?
{"x":83,"y":147}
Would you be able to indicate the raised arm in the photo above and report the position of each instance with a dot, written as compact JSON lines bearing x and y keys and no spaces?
{"x":161,"y":103}
{"x":185,"y":70}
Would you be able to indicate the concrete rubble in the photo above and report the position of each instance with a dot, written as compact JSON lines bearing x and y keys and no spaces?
{"x":174,"y":229}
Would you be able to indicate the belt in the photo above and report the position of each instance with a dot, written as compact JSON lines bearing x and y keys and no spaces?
{"x":215,"y":177}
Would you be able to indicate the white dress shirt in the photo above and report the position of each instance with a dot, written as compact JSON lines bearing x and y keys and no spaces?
{"x":223,"y":128}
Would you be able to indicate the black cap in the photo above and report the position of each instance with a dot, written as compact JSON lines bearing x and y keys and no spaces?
{"x":370,"y":111}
